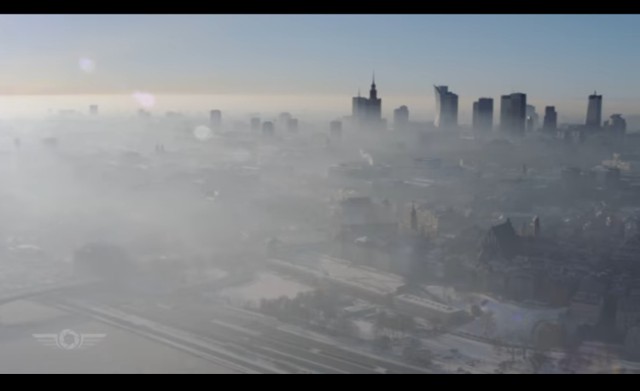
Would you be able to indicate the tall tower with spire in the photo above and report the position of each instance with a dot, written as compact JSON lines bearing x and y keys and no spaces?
{"x":373,"y":93}
{"x":368,"y":111}
{"x":375,"y":103}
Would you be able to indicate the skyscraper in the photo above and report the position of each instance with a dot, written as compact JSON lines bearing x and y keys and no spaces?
{"x":483,"y":114}
{"x":513,"y":109}
{"x":550,"y":119}
{"x":532,"y":118}
{"x":268,"y":128}
{"x":359,"y":107}
{"x":292,"y":125}
{"x":368,"y":111}
{"x":446,"y":108}
{"x":215,"y":118}
{"x":401,"y":118}
{"x":594,"y":112}
{"x":375,"y":103}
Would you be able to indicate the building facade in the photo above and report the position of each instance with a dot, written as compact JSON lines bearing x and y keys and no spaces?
{"x":513,"y":110}
{"x":367,"y":111}
{"x":401,"y":118}
{"x":446,"y":108}
{"x":215,"y":118}
{"x":594,"y":112}
{"x":483,"y":114}
{"x":550,"y":122}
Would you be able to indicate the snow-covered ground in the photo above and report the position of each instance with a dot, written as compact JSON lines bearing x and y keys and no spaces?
{"x":265,"y":286}
{"x":118,"y":351}
{"x":365,"y":329}
{"x":209,"y":275}
{"x":322,"y":266}
{"x":17,"y":276}
{"x":509,"y":322}
{"x":451,"y":352}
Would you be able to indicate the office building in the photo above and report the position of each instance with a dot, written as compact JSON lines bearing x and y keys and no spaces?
{"x":215,"y":118}
{"x":268,"y":128}
{"x":513,"y":109}
{"x":401,"y":118}
{"x":533,"y":120}
{"x":446,"y":108}
{"x":550,"y":122}
{"x":482,"y":118}
{"x":594,"y":112}
{"x":368,"y":111}
{"x":292,"y":125}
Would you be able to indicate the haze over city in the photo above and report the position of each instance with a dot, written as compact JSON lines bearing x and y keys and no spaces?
{"x":310,"y":62}
{"x":319,"y":194}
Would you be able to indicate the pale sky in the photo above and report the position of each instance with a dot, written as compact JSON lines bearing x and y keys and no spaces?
{"x":555,"y":59}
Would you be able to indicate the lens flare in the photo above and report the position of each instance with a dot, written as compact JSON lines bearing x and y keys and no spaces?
{"x":144,"y":99}
{"x":202,"y":133}
{"x":87,"y":65}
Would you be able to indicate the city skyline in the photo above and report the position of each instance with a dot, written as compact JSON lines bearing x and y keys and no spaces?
{"x":556,"y":60}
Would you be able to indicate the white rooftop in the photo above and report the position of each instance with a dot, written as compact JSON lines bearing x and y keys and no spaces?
{"x":427,"y":303}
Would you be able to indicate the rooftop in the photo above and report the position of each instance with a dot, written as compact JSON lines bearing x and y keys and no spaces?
{"x":434,"y":305}
{"x":343,"y":272}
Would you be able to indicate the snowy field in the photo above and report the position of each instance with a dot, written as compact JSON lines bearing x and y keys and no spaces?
{"x":509,"y":322}
{"x":118,"y":351}
{"x":17,"y":276}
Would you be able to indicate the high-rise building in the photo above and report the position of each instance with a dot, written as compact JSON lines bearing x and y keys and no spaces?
{"x":215,"y":118}
{"x":268,"y":128}
{"x":533,"y":120}
{"x":368,"y":111}
{"x":594,"y":112}
{"x":513,"y":109}
{"x":505,"y":111}
{"x":483,"y":114}
{"x":530,"y":126}
{"x":617,"y":124}
{"x":401,"y":118}
{"x":550,"y":122}
{"x":359,"y":107}
{"x":93,"y":109}
{"x":446,"y":108}
{"x":375,"y":103}
{"x":292,"y":125}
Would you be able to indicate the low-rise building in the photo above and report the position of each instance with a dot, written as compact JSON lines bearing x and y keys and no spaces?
{"x":425,"y":308}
